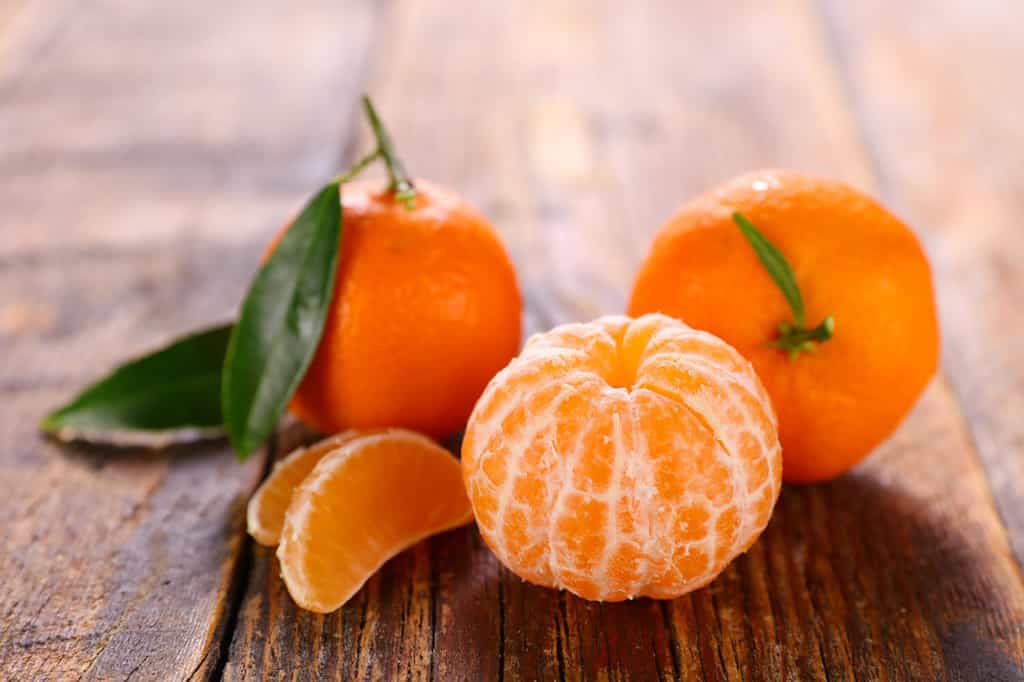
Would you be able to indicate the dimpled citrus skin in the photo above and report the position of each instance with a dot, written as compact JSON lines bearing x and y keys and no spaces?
{"x":852,"y":260}
{"x":622,"y":458}
{"x":426,"y":309}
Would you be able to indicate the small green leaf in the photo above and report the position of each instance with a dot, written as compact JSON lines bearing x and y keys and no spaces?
{"x":776,"y":264}
{"x":281,"y":322}
{"x":794,"y":338}
{"x":175,"y":387}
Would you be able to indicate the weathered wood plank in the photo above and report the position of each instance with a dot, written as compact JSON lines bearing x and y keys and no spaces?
{"x":548,"y":169}
{"x":898,"y":628}
{"x":142,"y":147}
{"x":113,"y":560}
{"x":939,"y":107}
{"x":578,"y":127}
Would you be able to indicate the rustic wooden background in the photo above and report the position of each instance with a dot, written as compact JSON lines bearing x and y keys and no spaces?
{"x":149,"y":150}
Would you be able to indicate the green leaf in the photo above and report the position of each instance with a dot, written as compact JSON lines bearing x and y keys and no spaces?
{"x":776,"y":264}
{"x":281,"y":323}
{"x":175,"y":387}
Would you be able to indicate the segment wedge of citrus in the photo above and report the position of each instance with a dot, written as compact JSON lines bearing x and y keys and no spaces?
{"x":362,"y":504}
{"x":265,"y":514}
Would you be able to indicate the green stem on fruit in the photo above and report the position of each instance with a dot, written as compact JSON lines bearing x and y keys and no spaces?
{"x":358,"y":167}
{"x":400,"y":185}
{"x":794,"y":337}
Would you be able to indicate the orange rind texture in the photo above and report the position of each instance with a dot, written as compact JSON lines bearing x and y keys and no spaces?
{"x":853,"y":260}
{"x":623,"y":458}
{"x":426,"y":309}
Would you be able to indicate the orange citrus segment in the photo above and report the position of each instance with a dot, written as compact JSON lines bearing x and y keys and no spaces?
{"x":265,"y":514}
{"x":362,"y":504}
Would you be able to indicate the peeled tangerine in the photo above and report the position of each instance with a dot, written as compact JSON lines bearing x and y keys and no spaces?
{"x":623,"y":458}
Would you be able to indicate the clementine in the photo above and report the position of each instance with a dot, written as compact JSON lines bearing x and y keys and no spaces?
{"x":426,"y":306}
{"x":622,"y":458}
{"x":842,"y":385}
{"x":426,"y":309}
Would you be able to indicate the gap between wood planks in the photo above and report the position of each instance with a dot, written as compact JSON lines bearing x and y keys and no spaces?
{"x":230,"y":613}
{"x":349,"y":152}
{"x":220,"y":643}
{"x":96,"y":615}
{"x":706,"y":607}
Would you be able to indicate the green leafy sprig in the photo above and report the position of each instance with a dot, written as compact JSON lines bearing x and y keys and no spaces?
{"x":794,"y":337}
{"x":239,"y":378}
{"x":281,"y":322}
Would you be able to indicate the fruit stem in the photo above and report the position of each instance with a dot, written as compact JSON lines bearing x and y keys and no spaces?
{"x":795,"y":338}
{"x":400,"y":185}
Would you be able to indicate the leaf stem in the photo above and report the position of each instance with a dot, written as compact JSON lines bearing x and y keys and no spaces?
{"x":358,"y":167}
{"x":794,"y":337}
{"x":401,"y":185}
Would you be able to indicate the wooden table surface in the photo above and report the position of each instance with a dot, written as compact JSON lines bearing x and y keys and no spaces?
{"x":149,"y":150}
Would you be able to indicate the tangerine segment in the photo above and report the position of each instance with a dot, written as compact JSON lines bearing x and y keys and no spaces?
{"x":265,"y":514}
{"x":623,"y":458}
{"x":362,"y":504}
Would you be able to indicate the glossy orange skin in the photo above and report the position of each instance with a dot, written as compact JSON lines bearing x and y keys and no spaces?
{"x":426,"y":310}
{"x":853,"y":260}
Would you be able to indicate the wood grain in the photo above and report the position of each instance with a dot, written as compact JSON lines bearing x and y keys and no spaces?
{"x":148,"y":153}
{"x":114,"y":562}
{"x":936,"y":106}
{"x":143,"y":163}
{"x":578,"y":127}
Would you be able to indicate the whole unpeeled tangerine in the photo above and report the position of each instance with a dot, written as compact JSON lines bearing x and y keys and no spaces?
{"x":426,"y":309}
{"x":852,"y":260}
{"x":622,"y":458}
